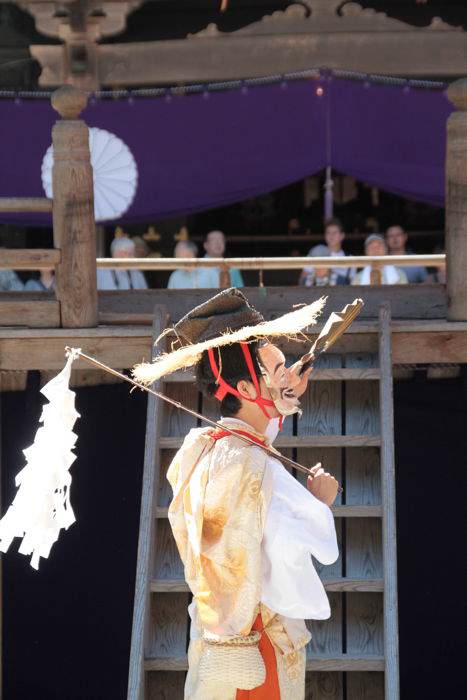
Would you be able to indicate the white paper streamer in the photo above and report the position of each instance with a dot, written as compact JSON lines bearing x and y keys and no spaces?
{"x":42,"y":506}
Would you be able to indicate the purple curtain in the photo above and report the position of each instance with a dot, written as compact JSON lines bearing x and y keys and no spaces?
{"x":201,"y":151}
{"x":391,"y":138}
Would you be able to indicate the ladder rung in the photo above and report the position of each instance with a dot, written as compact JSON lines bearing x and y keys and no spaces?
{"x":349,"y":585}
{"x":338,"y":511}
{"x":299,"y":441}
{"x":335,"y":662}
{"x":318,"y":375}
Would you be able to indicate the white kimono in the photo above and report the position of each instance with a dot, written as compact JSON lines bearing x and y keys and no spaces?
{"x":246,"y":530}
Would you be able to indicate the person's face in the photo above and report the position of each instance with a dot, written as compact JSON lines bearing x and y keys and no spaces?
{"x":128,"y":252}
{"x":215,"y":244}
{"x":141,"y":250}
{"x":294,"y":225}
{"x":334,"y":237}
{"x":375,"y":247}
{"x":396,"y":238}
{"x":183,"y":251}
{"x":285,"y":384}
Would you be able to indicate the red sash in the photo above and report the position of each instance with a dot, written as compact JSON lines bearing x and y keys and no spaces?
{"x":270,"y":689}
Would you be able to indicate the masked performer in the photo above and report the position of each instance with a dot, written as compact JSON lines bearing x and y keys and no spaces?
{"x":244,"y":526}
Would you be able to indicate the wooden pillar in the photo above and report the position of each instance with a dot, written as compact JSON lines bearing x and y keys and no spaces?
{"x":73,"y":211}
{"x":376,"y":277}
{"x":456,"y":203}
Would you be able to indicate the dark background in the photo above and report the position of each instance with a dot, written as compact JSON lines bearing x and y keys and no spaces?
{"x":66,"y":628}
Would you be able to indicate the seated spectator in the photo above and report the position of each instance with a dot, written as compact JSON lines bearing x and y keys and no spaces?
{"x":334,"y":236}
{"x":117,"y":278}
{"x":10,"y":282}
{"x":295,"y":228}
{"x":142,"y":249}
{"x":214,"y":245}
{"x":44,"y":282}
{"x":396,"y":240}
{"x":376,"y":245}
{"x":196,"y":277}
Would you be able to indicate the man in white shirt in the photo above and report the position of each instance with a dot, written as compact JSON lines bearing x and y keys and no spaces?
{"x":116,"y":278}
{"x":334,"y":236}
{"x":375,"y":245}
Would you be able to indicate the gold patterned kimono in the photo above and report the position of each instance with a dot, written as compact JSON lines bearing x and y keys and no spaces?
{"x":217,"y":516}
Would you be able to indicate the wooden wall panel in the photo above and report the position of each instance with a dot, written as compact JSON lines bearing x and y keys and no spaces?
{"x":365,"y":686}
{"x":168,"y":637}
{"x":165,"y":685}
{"x":324,"y":686}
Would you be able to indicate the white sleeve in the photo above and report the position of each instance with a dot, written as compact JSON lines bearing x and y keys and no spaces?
{"x":297,"y":526}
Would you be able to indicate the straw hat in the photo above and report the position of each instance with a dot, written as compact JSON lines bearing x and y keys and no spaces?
{"x":226,"y":318}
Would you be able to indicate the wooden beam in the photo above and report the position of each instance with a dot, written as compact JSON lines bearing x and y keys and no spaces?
{"x":25,"y":204}
{"x":418,"y":301}
{"x":29,"y":259}
{"x":27,"y":310}
{"x":343,"y":585}
{"x":73,"y":211}
{"x":318,"y":375}
{"x":338,"y":511}
{"x":300,"y":441}
{"x":335,"y":662}
{"x":413,"y":54}
{"x":42,"y":347}
{"x":435,"y":347}
{"x":456,"y":203}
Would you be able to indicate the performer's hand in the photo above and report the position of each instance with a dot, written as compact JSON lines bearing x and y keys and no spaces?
{"x":322,"y":485}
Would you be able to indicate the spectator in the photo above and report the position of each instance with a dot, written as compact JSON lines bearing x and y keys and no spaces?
{"x":396,"y":239}
{"x":10,"y":282}
{"x":45,"y":282}
{"x":117,"y":278}
{"x":295,"y":228}
{"x":214,"y":245}
{"x":334,"y":236}
{"x":142,"y":249}
{"x":196,"y":277}
{"x":376,"y":245}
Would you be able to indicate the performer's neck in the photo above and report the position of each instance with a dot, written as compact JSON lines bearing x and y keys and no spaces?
{"x":252,"y":414}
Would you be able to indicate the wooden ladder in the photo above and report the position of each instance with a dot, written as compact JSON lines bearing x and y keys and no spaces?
{"x":347,"y":424}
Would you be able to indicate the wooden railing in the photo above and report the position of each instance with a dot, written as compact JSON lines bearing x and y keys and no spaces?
{"x":290,"y":263}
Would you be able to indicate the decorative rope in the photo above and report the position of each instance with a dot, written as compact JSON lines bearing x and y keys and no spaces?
{"x":206,"y":88}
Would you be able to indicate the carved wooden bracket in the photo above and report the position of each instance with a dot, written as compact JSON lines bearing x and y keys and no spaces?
{"x":322,"y":16}
{"x":95,"y":18}
{"x":79,"y":24}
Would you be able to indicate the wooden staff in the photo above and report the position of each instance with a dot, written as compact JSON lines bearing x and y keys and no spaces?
{"x":177,"y":404}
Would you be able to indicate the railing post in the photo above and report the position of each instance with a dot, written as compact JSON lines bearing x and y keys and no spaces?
{"x":456,"y":203}
{"x":73,"y":211}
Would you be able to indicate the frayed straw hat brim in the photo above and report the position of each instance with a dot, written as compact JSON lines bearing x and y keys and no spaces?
{"x":289,"y":325}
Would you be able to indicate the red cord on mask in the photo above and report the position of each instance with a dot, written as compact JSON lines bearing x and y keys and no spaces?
{"x":225,"y":388}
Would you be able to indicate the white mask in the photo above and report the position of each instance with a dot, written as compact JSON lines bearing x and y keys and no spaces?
{"x":272,"y":429}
